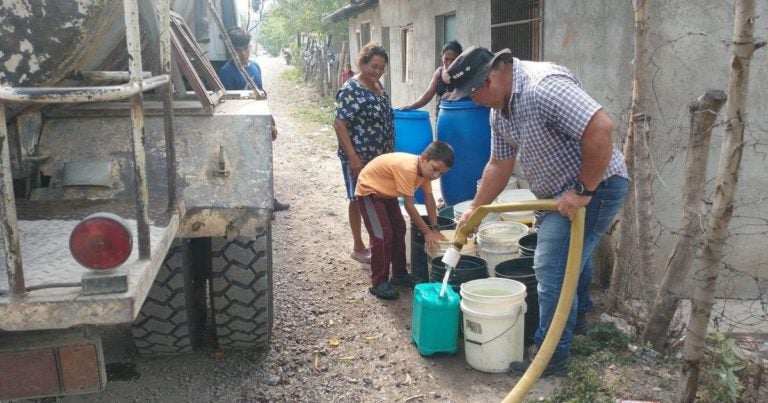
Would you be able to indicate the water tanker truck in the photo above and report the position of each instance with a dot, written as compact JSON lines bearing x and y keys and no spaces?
{"x":134,"y":189}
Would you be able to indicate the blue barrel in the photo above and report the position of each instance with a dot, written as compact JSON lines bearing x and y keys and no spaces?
{"x":464,"y":125}
{"x":413,"y":133}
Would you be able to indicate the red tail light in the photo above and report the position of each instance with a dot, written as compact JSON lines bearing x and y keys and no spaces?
{"x":101,"y":241}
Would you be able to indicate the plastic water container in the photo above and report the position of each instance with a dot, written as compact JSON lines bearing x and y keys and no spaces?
{"x":413,"y":133}
{"x":469,"y":268}
{"x":460,"y":208}
{"x":493,"y":311}
{"x":521,"y":269}
{"x":419,"y":258}
{"x":527,"y":244}
{"x":515,"y":195}
{"x":465,"y":126}
{"x":435,"y":321}
{"x":470,"y":249}
{"x":497,"y":242}
{"x":511,"y":184}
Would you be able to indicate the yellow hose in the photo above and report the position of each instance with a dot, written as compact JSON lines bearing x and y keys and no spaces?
{"x":567,"y":293}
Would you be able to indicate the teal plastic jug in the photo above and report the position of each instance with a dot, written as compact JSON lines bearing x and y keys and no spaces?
{"x":435,"y":323}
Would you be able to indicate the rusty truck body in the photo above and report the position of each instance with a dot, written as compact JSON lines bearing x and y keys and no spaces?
{"x":113,"y":106}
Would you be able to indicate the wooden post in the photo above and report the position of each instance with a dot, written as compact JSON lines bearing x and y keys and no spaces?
{"x":703,"y":113}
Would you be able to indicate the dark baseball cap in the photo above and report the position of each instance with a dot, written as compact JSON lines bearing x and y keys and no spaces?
{"x":468,"y":72}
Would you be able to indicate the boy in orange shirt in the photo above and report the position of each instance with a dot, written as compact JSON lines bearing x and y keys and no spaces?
{"x":380,"y":183}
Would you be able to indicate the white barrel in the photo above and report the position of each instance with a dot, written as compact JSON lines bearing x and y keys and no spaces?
{"x":497,"y":242}
{"x":513,"y":195}
{"x":493,"y":323}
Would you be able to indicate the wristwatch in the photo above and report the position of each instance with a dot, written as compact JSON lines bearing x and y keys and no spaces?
{"x":581,"y":190}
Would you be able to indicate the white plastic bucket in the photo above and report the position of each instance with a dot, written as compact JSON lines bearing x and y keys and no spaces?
{"x":497,"y":242}
{"x":513,"y":195}
{"x":493,"y":323}
{"x":511,"y":184}
{"x":442,"y":246}
{"x":460,"y":208}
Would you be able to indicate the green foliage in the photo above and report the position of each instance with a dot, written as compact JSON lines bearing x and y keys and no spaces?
{"x":289,"y":17}
{"x":607,"y":336}
{"x":602,"y":336}
{"x":292,"y":74}
{"x":584,"y":383}
{"x":322,"y":114}
{"x":720,"y":381}
{"x":602,"y":346}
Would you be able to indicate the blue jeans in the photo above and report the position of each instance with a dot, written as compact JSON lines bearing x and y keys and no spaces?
{"x":552,"y":252}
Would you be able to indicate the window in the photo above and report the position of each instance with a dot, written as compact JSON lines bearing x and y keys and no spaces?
{"x":449,"y":28}
{"x":406,"y":50}
{"x":359,"y":44}
{"x":445,"y":31}
{"x":516,"y":24}
{"x":365,"y":33}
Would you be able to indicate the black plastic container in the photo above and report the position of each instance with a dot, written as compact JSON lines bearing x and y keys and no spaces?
{"x":528,"y":244}
{"x":469,"y":268}
{"x":521,"y":269}
{"x":419,"y":258}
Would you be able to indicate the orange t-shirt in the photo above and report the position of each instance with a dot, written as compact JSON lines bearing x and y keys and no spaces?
{"x":391,"y":175}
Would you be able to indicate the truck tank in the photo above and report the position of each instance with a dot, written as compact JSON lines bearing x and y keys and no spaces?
{"x":42,"y":42}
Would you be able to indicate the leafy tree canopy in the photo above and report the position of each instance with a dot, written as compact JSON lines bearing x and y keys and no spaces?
{"x":286,"y":18}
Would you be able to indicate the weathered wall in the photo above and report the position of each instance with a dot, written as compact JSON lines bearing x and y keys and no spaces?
{"x":691,"y":54}
{"x":472,"y":27}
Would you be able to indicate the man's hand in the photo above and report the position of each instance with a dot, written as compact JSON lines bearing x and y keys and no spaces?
{"x":569,"y":202}
{"x":464,"y":218}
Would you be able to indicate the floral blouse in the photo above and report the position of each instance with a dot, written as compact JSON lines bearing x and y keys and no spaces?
{"x":371,"y":120}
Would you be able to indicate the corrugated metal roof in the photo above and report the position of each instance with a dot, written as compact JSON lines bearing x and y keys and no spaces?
{"x":352,"y":9}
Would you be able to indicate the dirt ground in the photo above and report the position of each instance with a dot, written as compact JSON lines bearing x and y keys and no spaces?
{"x":321,"y":299}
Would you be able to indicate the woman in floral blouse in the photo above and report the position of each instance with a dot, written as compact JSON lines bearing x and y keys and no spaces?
{"x":365,"y":128}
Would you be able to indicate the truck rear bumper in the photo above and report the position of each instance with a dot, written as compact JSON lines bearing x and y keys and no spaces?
{"x":47,"y":261}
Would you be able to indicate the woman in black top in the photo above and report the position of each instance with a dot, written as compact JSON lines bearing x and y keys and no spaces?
{"x":437,"y":86}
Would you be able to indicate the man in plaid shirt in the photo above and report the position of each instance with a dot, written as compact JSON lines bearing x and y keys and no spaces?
{"x":542,"y":117}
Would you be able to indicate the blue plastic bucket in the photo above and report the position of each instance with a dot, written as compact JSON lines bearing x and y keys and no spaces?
{"x":464,"y":125}
{"x":413,"y":133}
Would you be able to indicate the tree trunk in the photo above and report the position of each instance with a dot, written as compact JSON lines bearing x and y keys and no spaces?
{"x":622,"y":256}
{"x":623,"y":261}
{"x":320,"y":71}
{"x":703,"y":115}
{"x":640,"y":123}
{"x":722,"y":207}
{"x":342,"y":61}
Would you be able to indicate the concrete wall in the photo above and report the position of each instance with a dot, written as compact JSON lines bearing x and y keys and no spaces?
{"x":691,"y":54}
{"x":595,"y":39}
{"x":473,"y":19}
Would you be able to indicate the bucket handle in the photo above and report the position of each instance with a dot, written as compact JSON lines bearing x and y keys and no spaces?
{"x":520,"y":312}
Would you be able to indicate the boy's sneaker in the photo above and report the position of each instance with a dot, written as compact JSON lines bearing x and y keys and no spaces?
{"x":384,"y":291}
{"x":556,"y":367}
{"x":582,"y":325}
{"x":405,"y":281}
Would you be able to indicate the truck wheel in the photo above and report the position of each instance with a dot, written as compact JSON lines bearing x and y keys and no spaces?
{"x":241,"y":290}
{"x":172,"y":317}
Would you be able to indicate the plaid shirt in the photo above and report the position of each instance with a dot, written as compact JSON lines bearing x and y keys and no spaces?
{"x":548,"y":114}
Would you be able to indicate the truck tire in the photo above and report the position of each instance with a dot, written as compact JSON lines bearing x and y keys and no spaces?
{"x":171,"y":320}
{"x":241,"y":291}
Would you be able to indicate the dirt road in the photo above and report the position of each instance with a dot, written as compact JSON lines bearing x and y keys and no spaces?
{"x":320,"y":295}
